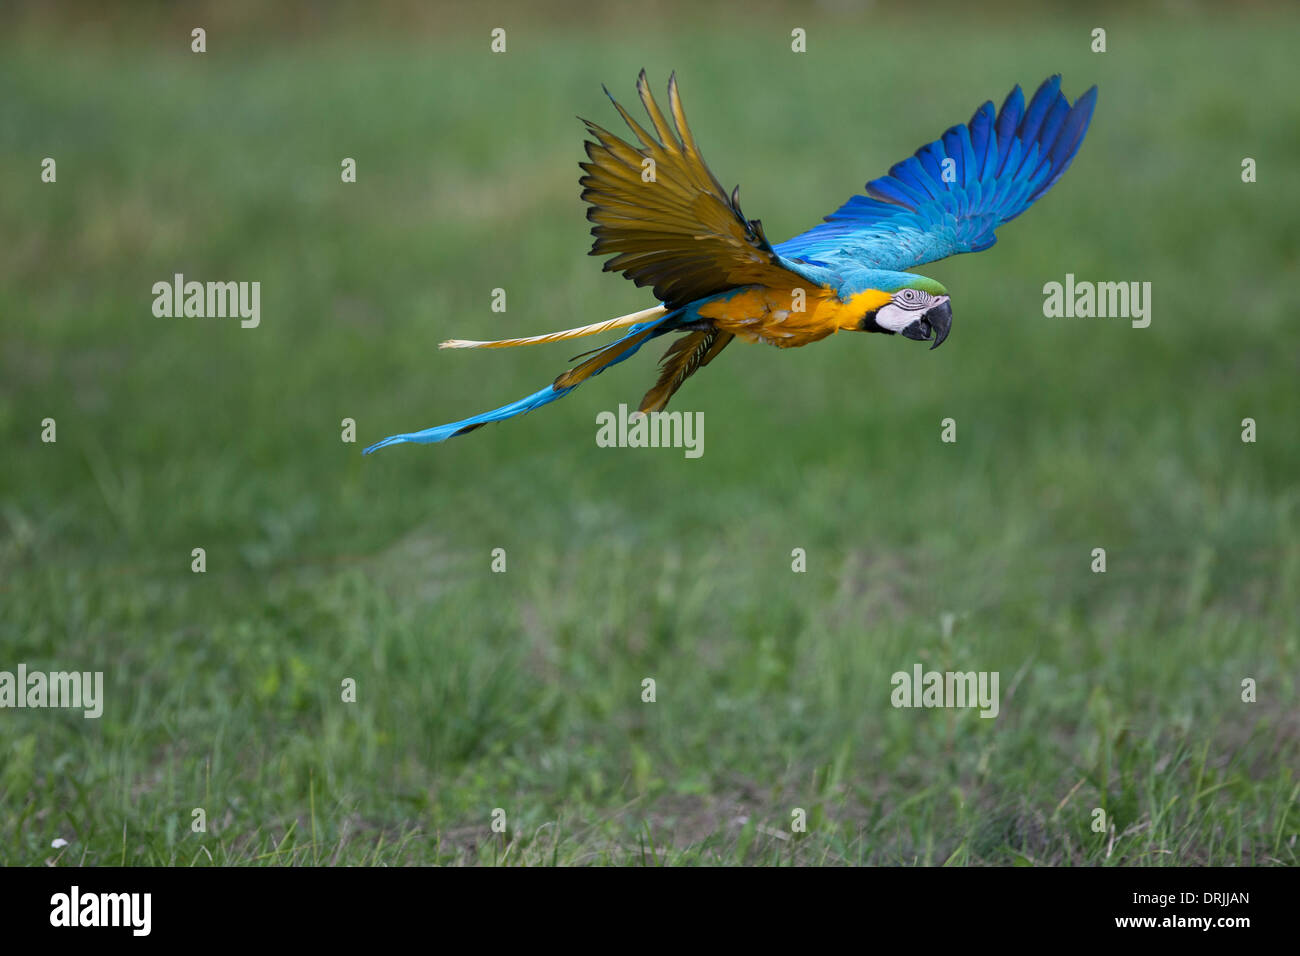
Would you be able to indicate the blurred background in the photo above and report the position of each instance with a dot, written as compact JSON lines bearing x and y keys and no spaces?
{"x":523,"y":690}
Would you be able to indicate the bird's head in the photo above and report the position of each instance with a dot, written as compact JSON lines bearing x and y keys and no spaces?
{"x":917,"y":308}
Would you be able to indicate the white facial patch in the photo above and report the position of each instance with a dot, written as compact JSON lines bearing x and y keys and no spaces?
{"x":907,"y":306}
{"x":894,"y":319}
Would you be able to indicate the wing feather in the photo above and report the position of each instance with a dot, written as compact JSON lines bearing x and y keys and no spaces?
{"x":952,"y":194}
{"x":684,"y":358}
{"x":679,"y":233}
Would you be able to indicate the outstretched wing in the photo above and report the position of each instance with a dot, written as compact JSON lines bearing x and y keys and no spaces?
{"x":951,"y":195}
{"x":675,"y":229}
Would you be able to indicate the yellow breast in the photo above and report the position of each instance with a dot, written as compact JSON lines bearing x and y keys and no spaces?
{"x":788,"y":318}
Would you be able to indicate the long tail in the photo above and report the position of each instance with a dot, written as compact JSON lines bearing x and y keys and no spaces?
{"x":645,"y":315}
{"x":605,"y":357}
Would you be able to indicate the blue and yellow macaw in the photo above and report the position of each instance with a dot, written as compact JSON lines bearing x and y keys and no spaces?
{"x":666,"y":222}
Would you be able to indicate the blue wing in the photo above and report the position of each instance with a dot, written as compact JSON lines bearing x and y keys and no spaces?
{"x":951,"y":195}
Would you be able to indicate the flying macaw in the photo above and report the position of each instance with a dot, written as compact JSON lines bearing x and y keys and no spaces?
{"x":666,"y":222}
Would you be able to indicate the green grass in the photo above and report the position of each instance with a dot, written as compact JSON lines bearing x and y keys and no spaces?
{"x":522,"y":690}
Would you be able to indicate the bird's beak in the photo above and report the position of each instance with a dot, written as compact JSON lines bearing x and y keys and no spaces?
{"x":936,"y":321}
{"x":940,"y":318}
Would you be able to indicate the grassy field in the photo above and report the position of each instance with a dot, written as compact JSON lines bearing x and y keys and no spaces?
{"x":522,"y":690}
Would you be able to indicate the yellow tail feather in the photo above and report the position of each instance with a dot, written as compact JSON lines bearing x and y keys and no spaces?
{"x":603,"y":357}
{"x":644,"y":315}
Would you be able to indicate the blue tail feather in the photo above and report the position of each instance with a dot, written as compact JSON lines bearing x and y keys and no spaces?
{"x":543,"y":396}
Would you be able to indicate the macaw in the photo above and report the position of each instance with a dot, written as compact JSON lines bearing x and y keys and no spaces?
{"x":666,"y":222}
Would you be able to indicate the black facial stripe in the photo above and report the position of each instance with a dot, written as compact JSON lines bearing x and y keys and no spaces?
{"x":868,"y":324}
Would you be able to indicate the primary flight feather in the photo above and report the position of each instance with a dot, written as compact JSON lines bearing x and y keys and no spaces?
{"x":665,"y":221}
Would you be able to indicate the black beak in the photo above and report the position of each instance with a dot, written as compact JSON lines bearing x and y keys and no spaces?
{"x":936,"y":321}
{"x":940,"y":319}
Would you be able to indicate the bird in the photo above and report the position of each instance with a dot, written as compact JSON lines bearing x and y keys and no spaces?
{"x":663,"y":220}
